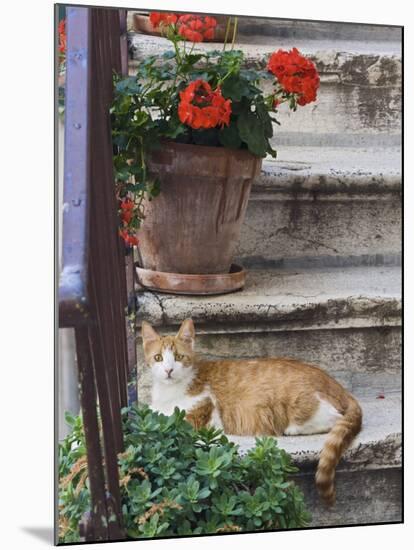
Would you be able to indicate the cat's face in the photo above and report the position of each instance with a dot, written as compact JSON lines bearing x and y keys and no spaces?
{"x":169,"y":357}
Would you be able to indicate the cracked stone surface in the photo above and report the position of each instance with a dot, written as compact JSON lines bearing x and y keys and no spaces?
{"x":353,"y":297}
{"x":326,"y":206}
{"x":313,"y":211}
{"x":378,"y":498}
{"x":342,"y":173}
{"x":347,"y":321}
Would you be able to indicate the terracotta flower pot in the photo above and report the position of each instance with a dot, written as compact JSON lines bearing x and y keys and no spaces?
{"x":194,"y":225}
{"x":143,"y":25}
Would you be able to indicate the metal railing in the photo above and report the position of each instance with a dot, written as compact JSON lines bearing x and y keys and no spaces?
{"x":93,"y":289}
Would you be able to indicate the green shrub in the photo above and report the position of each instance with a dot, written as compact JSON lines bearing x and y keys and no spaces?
{"x":179,"y":481}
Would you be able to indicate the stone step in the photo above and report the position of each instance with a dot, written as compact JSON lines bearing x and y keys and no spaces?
{"x":344,"y":33}
{"x":359,"y":101}
{"x":363,"y":497}
{"x":283,"y":29}
{"x":378,"y":445}
{"x":363,"y":61}
{"x":373,"y":463}
{"x":324,"y":206}
{"x":347,"y":321}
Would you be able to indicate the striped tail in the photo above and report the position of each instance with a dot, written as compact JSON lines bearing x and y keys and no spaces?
{"x":340,"y":436}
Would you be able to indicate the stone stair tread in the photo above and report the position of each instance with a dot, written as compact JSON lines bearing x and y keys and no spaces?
{"x":287,"y":298}
{"x":266,"y":44}
{"x":266,"y":28}
{"x":367,"y":63}
{"x":359,"y":101}
{"x":258,"y":46}
{"x":332,"y":168}
{"x":378,"y":445}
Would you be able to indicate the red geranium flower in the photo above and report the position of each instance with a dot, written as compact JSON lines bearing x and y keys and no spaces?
{"x":158,"y":18}
{"x":127,"y":216}
{"x":202,"y":107}
{"x":62,"y":35}
{"x":295,"y":74}
{"x":129,"y":239}
{"x":127,"y":207}
{"x":196,"y":28}
{"x":127,"y":204}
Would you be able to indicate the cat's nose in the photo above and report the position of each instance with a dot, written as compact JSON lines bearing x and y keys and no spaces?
{"x":169,"y":371}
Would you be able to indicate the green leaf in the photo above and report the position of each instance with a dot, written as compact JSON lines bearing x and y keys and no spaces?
{"x":175,"y":131}
{"x":135,"y":187}
{"x":252,"y":132}
{"x":190,"y":60}
{"x":235,"y":88}
{"x":69,"y":418}
{"x":170,"y":54}
{"x":204,"y":493}
{"x":212,"y":485}
{"x":264,"y":116}
{"x":201,"y":74}
{"x":139,"y":118}
{"x":250,"y":75}
{"x":128,"y":85}
{"x":122,"y":175}
{"x":229,"y":136}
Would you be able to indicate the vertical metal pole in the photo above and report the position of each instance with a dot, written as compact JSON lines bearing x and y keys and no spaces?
{"x":93,"y":289}
{"x":96,"y":528}
{"x":124,"y":41}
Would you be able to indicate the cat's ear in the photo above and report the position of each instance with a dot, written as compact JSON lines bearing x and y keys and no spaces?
{"x":187,"y":333}
{"x":148,"y":333}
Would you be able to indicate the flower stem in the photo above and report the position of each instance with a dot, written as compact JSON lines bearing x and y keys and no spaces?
{"x":234,"y":32}
{"x":177,"y":52}
{"x":226,"y":36}
{"x":229,"y":73}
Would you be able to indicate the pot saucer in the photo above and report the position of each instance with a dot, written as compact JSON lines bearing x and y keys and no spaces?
{"x":192,"y":284}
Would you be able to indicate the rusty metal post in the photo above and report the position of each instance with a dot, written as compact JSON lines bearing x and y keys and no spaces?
{"x":93,"y":287}
{"x":95,"y":528}
{"x":124,"y":41}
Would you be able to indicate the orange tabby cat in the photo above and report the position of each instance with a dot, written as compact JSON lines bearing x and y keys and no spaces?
{"x":274,"y":396}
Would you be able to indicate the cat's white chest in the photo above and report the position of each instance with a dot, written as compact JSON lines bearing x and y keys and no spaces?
{"x":166,"y":397}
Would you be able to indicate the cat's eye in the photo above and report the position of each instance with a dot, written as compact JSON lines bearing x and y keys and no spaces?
{"x":158,"y":357}
{"x":178,"y":357}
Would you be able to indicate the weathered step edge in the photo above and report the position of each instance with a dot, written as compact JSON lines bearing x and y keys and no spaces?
{"x":377,"y":499}
{"x":311,"y":181}
{"x":385,"y":453}
{"x":283,"y":28}
{"x":378,"y":445}
{"x":162,"y":310}
{"x":318,"y":30}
